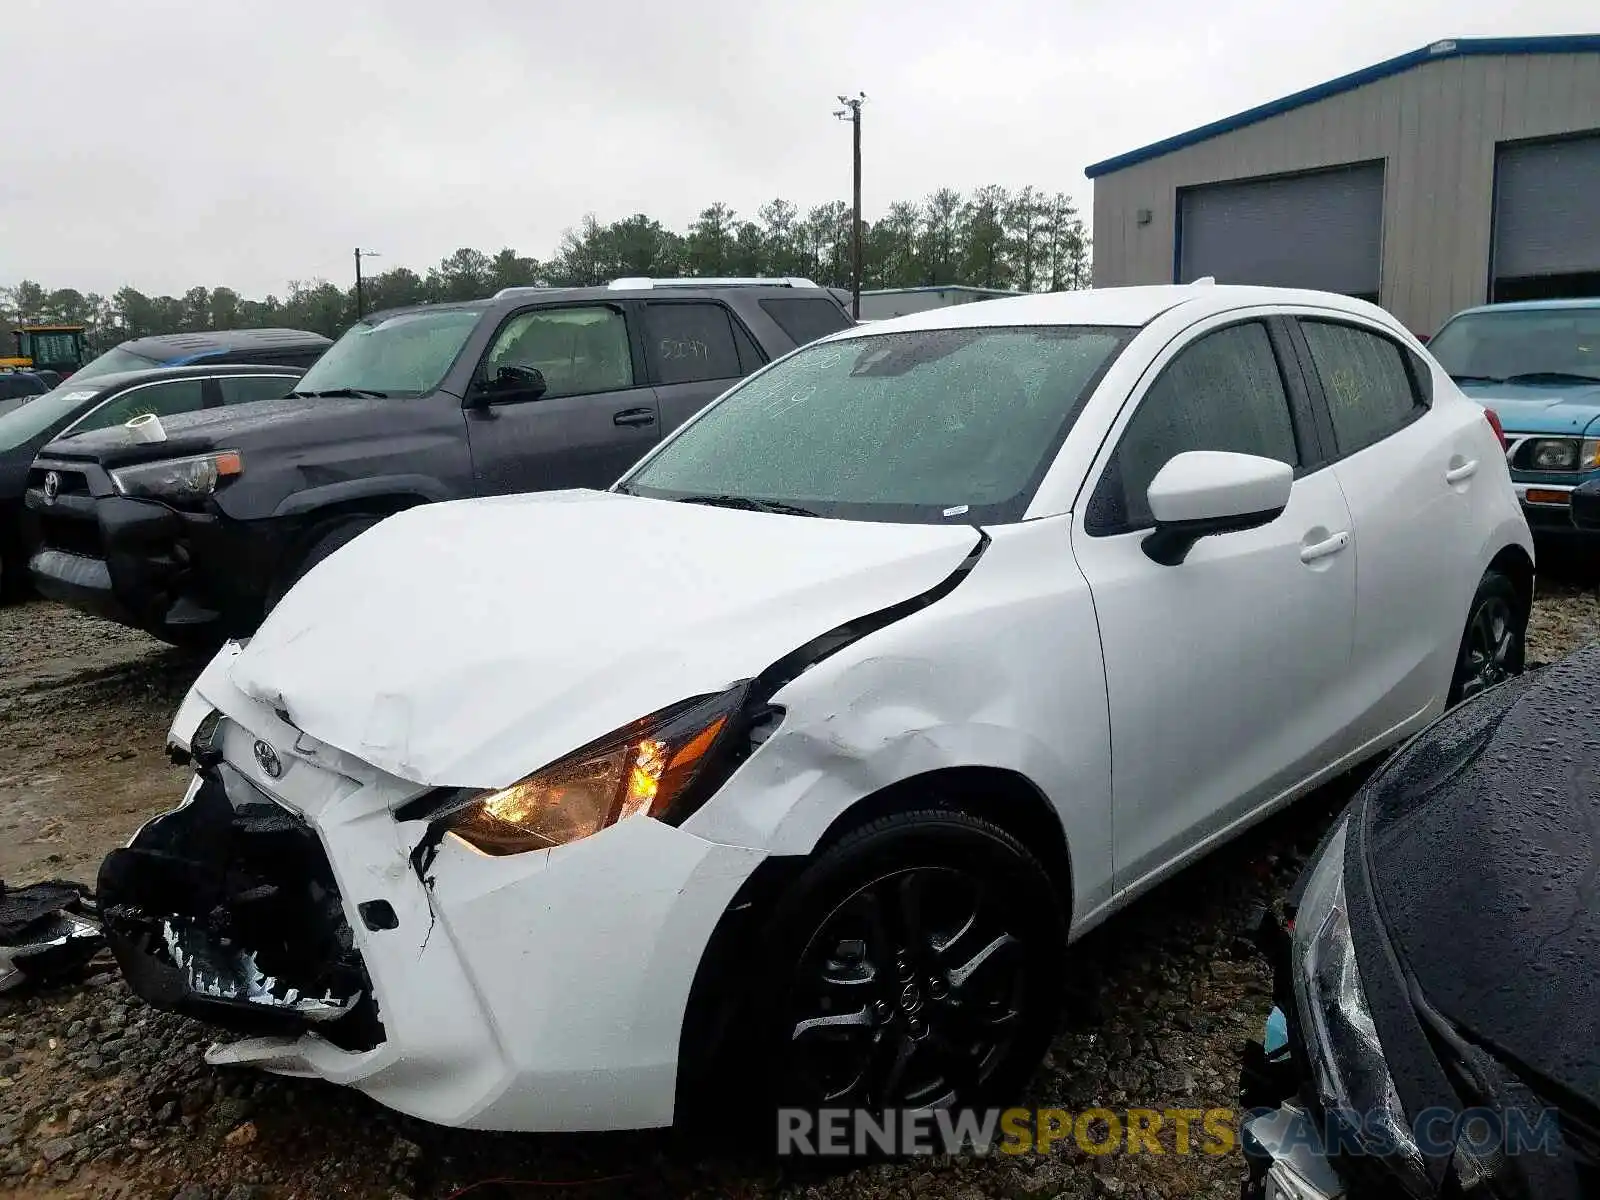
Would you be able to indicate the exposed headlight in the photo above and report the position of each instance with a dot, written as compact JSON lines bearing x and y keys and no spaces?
{"x":177,"y":479}
{"x":1561,"y":454}
{"x":643,"y":769}
{"x":1341,"y":1039}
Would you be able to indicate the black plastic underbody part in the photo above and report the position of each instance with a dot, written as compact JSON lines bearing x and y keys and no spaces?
{"x":227,"y":910}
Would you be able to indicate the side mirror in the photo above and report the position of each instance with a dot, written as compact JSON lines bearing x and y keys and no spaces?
{"x":1586,"y":505}
{"x":1200,"y":493}
{"x":511,"y":384}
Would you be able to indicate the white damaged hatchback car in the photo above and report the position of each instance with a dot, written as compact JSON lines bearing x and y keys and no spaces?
{"x":788,"y":767}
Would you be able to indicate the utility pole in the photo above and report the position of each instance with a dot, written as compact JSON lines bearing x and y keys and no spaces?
{"x":360,"y":299}
{"x":851,"y":112}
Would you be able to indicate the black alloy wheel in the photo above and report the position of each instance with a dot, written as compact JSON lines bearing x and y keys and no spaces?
{"x":1493,"y":646}
{"x":915,"y":965}
{"x":910,"y":994}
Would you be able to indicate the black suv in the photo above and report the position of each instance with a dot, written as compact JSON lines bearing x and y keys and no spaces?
{"x":80,"y":406}
{"x":195,"y":537}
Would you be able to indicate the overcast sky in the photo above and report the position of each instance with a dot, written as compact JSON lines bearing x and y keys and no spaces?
{"x":168,"y":143}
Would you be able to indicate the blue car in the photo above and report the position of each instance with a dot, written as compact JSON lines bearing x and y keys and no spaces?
{"x":1536,"y":366}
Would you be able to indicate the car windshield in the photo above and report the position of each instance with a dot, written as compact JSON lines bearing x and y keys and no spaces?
{"x":40,"y":413}
{"x":114,"y":361}
{"x":406,"y":354}
{"x":1551,"y":345}
{"x":919,"y":427}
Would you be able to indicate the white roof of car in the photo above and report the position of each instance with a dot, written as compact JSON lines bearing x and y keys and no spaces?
{"x":1129,"y":306}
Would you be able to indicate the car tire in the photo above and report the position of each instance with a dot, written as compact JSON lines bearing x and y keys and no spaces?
{"x":916,"y":962}
{"x":331,"y":537}
{"x":1494,"y":644}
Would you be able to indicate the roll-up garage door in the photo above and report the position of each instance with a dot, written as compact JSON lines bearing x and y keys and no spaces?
{"x":1547,"y":218}
{"x":1323,"y":230}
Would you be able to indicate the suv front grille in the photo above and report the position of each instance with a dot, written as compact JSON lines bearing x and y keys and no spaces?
{"x":72,"y":483}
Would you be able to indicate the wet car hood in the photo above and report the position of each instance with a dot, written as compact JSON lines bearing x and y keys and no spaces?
{"x":1545,"y":408}
{"x":259,"y":425}
{"x":1485,"y":855}
{"x":469,"y":643}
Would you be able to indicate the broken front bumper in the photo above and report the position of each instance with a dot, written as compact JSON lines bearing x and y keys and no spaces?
{"x":227,"y":909}
{"x":541,"y":991}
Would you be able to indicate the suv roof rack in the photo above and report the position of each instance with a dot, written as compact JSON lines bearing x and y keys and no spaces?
{"x":644,"y":282}
{"x":520,"y":290}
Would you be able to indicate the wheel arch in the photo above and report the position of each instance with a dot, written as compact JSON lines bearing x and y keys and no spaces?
{"x":998,"y":795}
{"x":1516,"y":564}
{"x":712,"y":1027}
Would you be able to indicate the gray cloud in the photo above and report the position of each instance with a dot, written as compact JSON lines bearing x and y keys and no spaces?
{"x":166,"y":143}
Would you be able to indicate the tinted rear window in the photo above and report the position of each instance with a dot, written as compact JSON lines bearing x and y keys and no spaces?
{"x":805,"y":319}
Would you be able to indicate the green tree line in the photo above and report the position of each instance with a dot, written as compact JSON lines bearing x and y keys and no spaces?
{"x":1025,"y":240}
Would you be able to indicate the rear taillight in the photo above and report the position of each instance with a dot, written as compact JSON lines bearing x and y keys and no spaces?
{"x":1494,"y":424}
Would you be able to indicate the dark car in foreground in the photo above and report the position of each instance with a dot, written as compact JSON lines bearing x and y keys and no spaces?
{"x":297,"y":348}
{"x":1438,"y":966}
{"x":194,"y":539}
{"x":79,"y":407}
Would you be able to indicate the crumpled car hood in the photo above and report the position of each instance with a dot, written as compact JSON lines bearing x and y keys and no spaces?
{"x":1486,"y":861}
{"x":467,"y":644}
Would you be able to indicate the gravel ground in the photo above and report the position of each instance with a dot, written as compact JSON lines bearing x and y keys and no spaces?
{"x":102,"y":1097}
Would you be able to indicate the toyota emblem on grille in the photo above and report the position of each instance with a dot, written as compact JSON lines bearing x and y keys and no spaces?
{"x":267,"y":760}
{"x":52,"y":487}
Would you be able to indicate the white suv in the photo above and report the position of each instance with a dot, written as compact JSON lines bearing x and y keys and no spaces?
{"x":792,"y":763}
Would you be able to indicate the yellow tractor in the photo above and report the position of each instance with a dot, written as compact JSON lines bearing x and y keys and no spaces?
{"x":59,"y":348}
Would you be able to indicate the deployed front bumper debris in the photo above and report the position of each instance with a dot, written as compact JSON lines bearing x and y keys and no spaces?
{"x":46,"y":930}
{"x":226,"y":909}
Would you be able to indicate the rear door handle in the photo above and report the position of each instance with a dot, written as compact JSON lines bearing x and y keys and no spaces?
{"x":635,"y":416}
{"x":1310,"y":554}
{"x":1465,"y":471}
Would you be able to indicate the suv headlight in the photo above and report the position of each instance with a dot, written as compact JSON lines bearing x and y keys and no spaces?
{"x":1346,"y":1058}
{"x":643,"y":769}
{"x":177,"y":479}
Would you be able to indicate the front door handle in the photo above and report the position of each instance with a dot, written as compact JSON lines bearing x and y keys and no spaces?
{"x":1310,"y":554}
{"x":1462,"y":472}
{"x":635,"y":416}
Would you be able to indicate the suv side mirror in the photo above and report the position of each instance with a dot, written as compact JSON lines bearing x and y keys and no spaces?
{"x":511,"y":384}
{"x":1586,"y":505}
{"x":1200,"y":493}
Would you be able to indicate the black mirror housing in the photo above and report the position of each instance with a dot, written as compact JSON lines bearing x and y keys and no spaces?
{"x":1170,"y":542}
{"x":511,"y":385}
{"x":1586,"y":505}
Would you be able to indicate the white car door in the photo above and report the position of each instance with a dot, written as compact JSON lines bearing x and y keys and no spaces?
{"x":1408,"y":472}
{"x":1225,"y":674}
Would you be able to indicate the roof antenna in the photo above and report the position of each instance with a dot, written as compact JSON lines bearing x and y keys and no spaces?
{"x":1203,"y":281}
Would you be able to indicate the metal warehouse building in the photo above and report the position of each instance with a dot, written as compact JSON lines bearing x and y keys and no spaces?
{"x":1463,"y":172}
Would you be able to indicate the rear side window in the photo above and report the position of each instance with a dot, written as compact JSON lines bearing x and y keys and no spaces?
{"x":1222,"y":392}
{"x":1367,"y":381}
{"x":162,"y":399}
{"x":242,"y":389}
{"x":806,"y":318}
{"x":690,"y":343}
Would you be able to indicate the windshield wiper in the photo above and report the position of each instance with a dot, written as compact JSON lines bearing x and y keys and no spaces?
{"x":745,"y":502}
{"x":1551,"y":377}
{"x":1475,"y":379}
{"x":344,"y":393}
